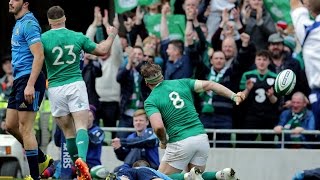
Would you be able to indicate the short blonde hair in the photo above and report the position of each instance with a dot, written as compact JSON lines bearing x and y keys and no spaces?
{"x":139,"y":112}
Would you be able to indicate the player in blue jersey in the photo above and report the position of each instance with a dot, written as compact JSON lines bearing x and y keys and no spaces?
{"x":29,"y":83}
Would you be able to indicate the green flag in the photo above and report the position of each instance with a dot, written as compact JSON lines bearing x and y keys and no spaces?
{"x":176,"y":25}
{"x":125,"y":5}
{"x":122,"y":6}
{"x":147,"y":2}
{"x":279,"y":10}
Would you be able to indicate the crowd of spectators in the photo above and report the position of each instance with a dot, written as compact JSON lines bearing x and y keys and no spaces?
{"x":222,"y":42}
{"x":227,"y":42}
{"x":232,"y":42}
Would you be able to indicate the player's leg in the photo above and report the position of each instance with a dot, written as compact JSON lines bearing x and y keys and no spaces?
{"x":198,"y":162}
{"x":26,"y":123}
{"x":40,"y":87}
{"x":82,"y":137}
{"x":79,"y":108}
{"x":58,"y":97}
{"x":177,"y":156}
{"x":201,"y":151}
{"x":23,"y":114}
{"x":12,"y":119}
{"x":82,"y":141}
{"x":195,"y":174}
{"x":12,"y":124}
{"x":166,"y":168}
{"x":66,"y":125}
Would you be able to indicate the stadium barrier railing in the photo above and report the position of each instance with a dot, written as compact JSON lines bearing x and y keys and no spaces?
{"x":280,"y":141}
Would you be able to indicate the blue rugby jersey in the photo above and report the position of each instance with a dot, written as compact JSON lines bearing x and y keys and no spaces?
{"x":26,"y":32}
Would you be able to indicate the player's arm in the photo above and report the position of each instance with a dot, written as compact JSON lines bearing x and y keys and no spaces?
{"x":104,"y":47}
{"x":221,"y":90}
{"x":38,"y":59}
{"x":158,"y":127}
{"x":295,"y":4}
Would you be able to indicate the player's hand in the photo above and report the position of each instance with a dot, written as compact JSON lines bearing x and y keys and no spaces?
{"x":163,"y":145}
{"x":239,"y":97}
{"x":112,"y":30}
{"x":29,"y":94}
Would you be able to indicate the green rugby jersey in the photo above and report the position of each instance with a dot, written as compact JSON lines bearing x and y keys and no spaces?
{"x":174,"y":100}
{"x":258,"y":102}
{"x":62,"y":49}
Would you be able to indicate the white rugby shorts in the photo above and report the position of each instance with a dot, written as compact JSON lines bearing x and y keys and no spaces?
{"x":179,"y":154}
{"x":68,"y":98}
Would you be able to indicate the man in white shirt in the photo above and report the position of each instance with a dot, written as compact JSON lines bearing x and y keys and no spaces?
{"x":308,"y":33}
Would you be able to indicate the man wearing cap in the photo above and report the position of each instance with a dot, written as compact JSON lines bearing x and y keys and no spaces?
{"x":281,"y":60}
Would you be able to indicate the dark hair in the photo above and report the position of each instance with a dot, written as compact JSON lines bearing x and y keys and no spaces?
{"x":29,"y":1}
{"x":219,"y":51}
{"x":178,"y":44}
{"x":139,"y":47}
{"x":6,"y":58}
{"x":55,"y":12}
{"x":264,"y":53}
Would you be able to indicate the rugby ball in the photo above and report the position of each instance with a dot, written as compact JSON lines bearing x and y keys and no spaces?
{"x":99,"y":172}
{"x":285,"y":82}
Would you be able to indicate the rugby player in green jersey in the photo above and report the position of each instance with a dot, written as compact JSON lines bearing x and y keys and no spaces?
{"x":67,"y":91}
{"x":171,"y":111}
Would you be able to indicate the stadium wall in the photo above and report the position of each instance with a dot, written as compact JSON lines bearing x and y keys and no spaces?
{"x":250,"y":164}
